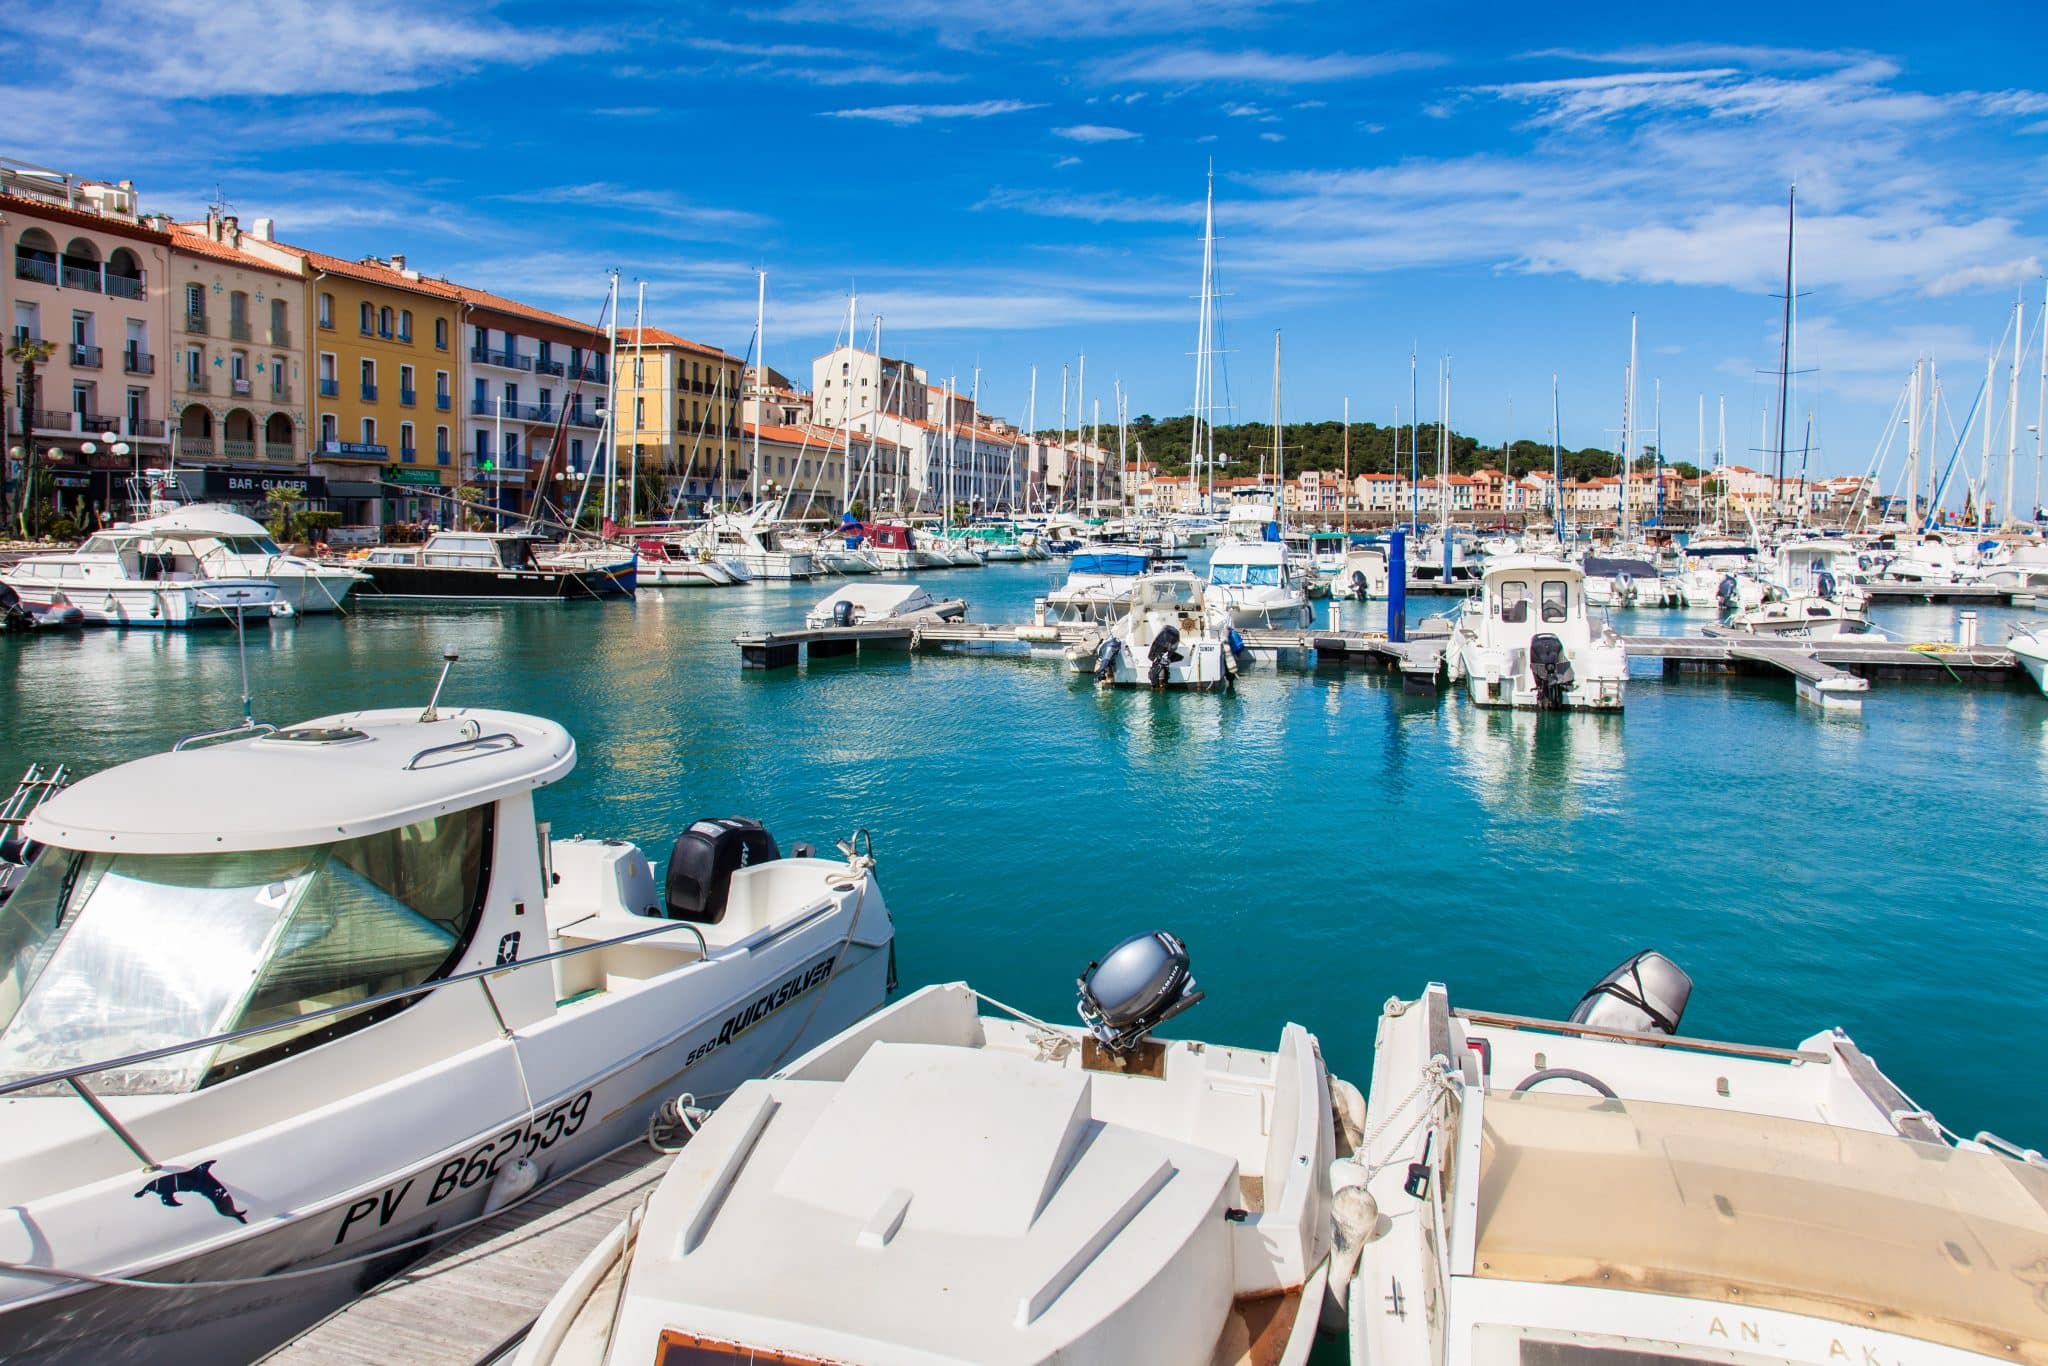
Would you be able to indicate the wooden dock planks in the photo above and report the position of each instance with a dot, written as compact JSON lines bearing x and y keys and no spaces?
{"x":466,"y":1299}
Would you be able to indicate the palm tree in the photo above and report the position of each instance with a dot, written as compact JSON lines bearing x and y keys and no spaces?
{"x":28,"y":353}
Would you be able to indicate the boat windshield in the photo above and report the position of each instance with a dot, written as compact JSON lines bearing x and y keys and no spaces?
{"x":1936,"y":1243}
{"x":1254,"y":575}
{"x":105,"y":955}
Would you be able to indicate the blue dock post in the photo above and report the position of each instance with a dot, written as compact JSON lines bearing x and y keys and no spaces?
{"x":1397,"y":586}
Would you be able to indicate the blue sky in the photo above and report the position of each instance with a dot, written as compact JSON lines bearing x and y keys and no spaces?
{"x":1018,"y":184}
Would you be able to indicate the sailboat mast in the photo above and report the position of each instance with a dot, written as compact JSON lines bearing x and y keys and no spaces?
{"x":1785,"y":343}
{"x":1628,"y":424}
{"x":2041,"y":417}
{"x":2012,"y":411}
{"x":1030,"y":438}
{"x":760,"y":379}
{"x":1414,"y":444}
{"x":1344,"y":494}
{"x":1657,"y":441}
{"x":1556,"y":464}
{"x":846,"y":410}
{"x":1202,"y":324}
{"x":611,"y":397}
{"x":639,"y":347}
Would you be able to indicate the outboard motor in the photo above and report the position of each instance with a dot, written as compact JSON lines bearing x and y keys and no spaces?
{"x":1727,"y":593}
{"x":1105,"y":658}
{"x":842,"y":612}
{"x":13,"y":616}
{"x":1358,"y":584}
{"x":1138,"y":986}
{"x":1646,"y":994}
{"x":705,"y":856}
{"x":1165,"y":653}
{"x":1551,"y":670}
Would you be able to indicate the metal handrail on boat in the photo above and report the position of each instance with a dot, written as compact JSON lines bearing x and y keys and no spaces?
{"x":73,"y":1076}
{"x":241,"y":730}
{"x":1739,"y":1050}
{"x":473,"y":742}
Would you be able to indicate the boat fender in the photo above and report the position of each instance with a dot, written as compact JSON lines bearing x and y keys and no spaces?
{"x":1236,"y":643}
{"x":1347,"y":1107}
{"x":1355,"y":1217}
{"x":515,"y":1179}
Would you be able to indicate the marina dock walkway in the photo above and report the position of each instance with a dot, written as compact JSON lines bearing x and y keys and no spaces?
{"x":464,"y":1301}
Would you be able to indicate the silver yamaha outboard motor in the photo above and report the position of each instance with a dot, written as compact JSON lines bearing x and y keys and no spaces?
{"x":1138,"y":986}
{"x":1646,"y":994}
{"x":1551,"y":670}
{"x":1105,"y":658}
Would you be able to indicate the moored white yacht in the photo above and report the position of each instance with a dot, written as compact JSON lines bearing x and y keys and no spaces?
{"x":870,"y":601}
{"x":1165,"y":640}
{"x":753,"y":541}
{"x":2029,"y":645}
{"x":1363,"y":574}
{"x":1527,"y":640}
{"x":297,"y":1001}
{"x":940,"y":1185}
{"x":215,"y":542}
{"x":1097,"y":586}
{"x":119,"y":577}
{"x":1254,"y":583}
{"x":1601,"y":1190}
{"x":666,"y":564}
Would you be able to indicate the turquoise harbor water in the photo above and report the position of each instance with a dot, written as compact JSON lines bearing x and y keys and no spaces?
{"x":1321,"y":840}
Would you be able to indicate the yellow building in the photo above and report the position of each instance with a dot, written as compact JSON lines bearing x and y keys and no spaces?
{"x":382,"y":348}
{"x":678,"y":411}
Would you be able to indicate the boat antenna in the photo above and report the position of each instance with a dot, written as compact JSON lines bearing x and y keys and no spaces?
{"x":448,"y":658}
{"x":242,"y":654}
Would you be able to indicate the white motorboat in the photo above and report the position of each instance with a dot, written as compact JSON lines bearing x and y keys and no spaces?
{"x":667,"y":564}
{"x":120,"y":578}
{"x":2018,"y":568}
{"x":1624,"y":581}
{"x":1363,"y":574}
{"x":1527,"y":640}
{"x":1097,"y":586}
{"x":1254,"y":583}
{"x":1820,"y":569}
{"x":2029,"y":645}
{"x":284,"y":1006}
{"x":606,"y":567}
{"x":215,"y":542}
{"x":939,"y":1185}
{"x":1165,"y":640}
{"x":862,"y":604}
{"x":1712,"y":571}
{"x":1603,"y":1190}
{"x":753,"y":541}
{"x":1930,"y":559}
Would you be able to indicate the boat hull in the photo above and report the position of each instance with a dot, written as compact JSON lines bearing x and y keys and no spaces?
{"x":401,"y":583}
{"x":156,"y":606}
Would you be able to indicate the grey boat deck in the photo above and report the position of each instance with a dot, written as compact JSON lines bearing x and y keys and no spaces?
{"x":466,"y":1300}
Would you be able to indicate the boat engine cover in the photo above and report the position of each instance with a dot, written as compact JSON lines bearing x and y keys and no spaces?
{"x":705,"y":856}
{"x":1646,"y":994}
{"x":1549,"y":667}
{"x":1136,"y":987}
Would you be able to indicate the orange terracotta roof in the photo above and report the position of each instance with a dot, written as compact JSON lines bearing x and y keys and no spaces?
{"x":79,"y":218}
{"x":192,"y":238}
{"x":483,"y":298}
{"x":656,"y":336}
{"x":373,"y":273}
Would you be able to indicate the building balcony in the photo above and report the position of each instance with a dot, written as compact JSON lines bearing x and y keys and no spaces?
{"x":504,"y":360}
{"x":330,"y":388}
{"x":195,"y":323}
{"x":85,"y":357}
{"x":369,"y":393}
{"x":408,"y":454}
{"x":29,"y":268}
{"x":240,"y":385}
{"x":593,"y":373}
{"x":148,"y":428}
{"x":125,"y":286}
{"x":78,"y":277}
{"x":280,"y":392}
{"x":237,"y":450}
{"x":443,"y":402}
{"x":54,"y":420}
{"x":280,"y":336}
{"x":548,"y":367}
{"x":238,"y":329}
{"x":409,"y":397}
{"x":196,"y":447}
{"x":138,"y":362}
{"x":200,"y":383}
{"x":91,"y":423}
{"x":583,"y":417}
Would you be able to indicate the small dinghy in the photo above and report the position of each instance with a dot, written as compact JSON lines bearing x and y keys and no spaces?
{"x":284,"y":1007}
{"x":866,"y":603}
{"x":940,"y":1185}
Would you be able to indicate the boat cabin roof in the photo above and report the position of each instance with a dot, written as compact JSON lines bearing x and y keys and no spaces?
{"x":201,"y":519}
{"x":333,"y":778}
{"x":1920,"y":1239}
{"x":1529,"y":566}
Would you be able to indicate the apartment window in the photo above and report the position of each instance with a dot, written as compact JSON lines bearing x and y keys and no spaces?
{"x":383,"y":322}
{"x":576,"y":454}
{"x":441,"y":390}
{"x":405,"y":324}
{"x":279,"y":326}
{"x":637,"y":380}
{"x":512,"y":398}
{"x":405,"y":387}
{"x":238,"y":370}
{"x":512,"y":449}
{"x":369,"y":378}
{"x":367,"y":317}
{"x":81,"y":396}
{"x":27,"y":323}
{"x":277,"y":384}
{"x":81,"y":329}
{"x":195,"y":299}
{"x":639,"y":414}
{"x":405,"y":448}
{"x":480,"y":397}
{"x":330,"y":430}
{"x":369,"y":431}
{"x":238,"y":314}
{"x":440,"y":445}
{"x":441,"y":333}
{"x":138,"y":407}
{"x":195,"y":365}
{"x":483,"y":446}
{"x":327,"y":311}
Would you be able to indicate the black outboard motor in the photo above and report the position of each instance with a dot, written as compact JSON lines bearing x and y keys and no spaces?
{"x":1824,"y":584}
{"x":1165,"y":652}
{"x":1138,"y":986}
{"x":1646,"y":994}
{"x":1105,"y":658}
{"x":842,"y":612}
{"x":1551,"y":670}
{"x":701,"y":865}
{"x":1726,"y":593}
{"x":13,"y":616}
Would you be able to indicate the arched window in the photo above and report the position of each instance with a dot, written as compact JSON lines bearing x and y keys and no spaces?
{"x":369,"y":319}
{"x":35,"y":257}
{"x":81,"y":265}
{"x":124,"y":274}
{"x":384,"y":322}
{"x":277,"y":437}
{"x":405,"y":324}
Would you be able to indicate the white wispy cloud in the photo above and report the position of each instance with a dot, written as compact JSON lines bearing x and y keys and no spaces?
{"x":971,"y":23}
{"x":642,"y":209}
{"x":905,"y":115}
{"x":1191,"y":66}
{"x":1095,"y":132}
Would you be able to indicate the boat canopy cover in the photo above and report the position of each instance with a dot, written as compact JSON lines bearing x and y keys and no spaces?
{"x":1870,"y":1229}
{"x":1115,"y":565}
{"x":1599,"y":568}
